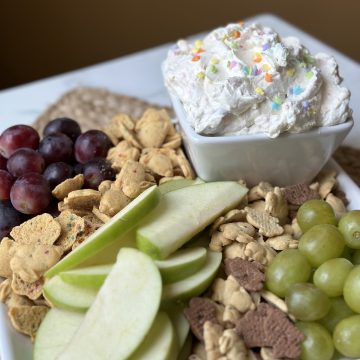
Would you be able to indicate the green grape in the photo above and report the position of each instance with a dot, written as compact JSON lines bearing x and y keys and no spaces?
{"x":317,"y":344}
{"x":306,"y":302}
{"x":338,"y":311}
{"x":346,"y":336}
{"x":347,"y":253}
{"x":349,"y":225}
{"x":315,"y":212}
{"x":356,"y":257}
{"x":321,"y":243}
{"x":288,"y":267}
{"x":331,"y":275}
{"x":352,"y":289}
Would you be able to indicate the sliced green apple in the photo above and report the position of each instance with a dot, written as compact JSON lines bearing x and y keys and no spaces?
{"x":202,"y":239}
{"x":93,"y":276}
{"x":108,"y":254}
{"x":68,"y":296}
{"x":112,"y":231}
{"x":160,"y":343}
{"x":177,"y":317}
{"x":183,"y":213}
{"x":55,"y":332}
{"x":178,"y":184}
{"x":196,"y":284}
{"x":185,"y":350}
{"x":122,"y":312}
{"x":181,"y":264}
{"x":178,"y":266}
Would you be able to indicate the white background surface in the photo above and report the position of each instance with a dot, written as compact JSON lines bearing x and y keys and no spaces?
{"x":139,"y":75}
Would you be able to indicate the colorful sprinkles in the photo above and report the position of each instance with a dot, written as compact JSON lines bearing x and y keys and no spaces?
{"x":260,"y":67}
{"x":196,"y":58}
{"x":276,"y":103}
{"x":296,"y":90}
{"x":258,"y":57}
{"x":309,"y":74}
{"x":260,"y":91}
{"x":235,"y":34}
{"x":290,"y":72}
{"x":268,"y":77}
{"x":213,"y":69}
{"x":232,"y":64}
{"x":266,"y":46}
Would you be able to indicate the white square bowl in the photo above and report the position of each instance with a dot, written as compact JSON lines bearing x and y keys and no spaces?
{"x":287,"y":159}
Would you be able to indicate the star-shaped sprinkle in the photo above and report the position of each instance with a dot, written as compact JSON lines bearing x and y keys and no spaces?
{"x":296,"y":90}
{"x":309,"y":74}
{"x":196,"y":58}
{"x":266,"y":46}
{"x":268,"y":78}
{"x":257,"y":57}
{"x":290,"y":72}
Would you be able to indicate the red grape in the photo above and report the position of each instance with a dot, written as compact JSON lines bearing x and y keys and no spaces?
{"x":78,"y":168}
{"x":90,"y":145}
{"x":53,"y":208}
{"x":23,"y":161}
{"x":3,"y":162}
{"x":16,"y":137}
{"x":6,"y":181}
{"x":57,"y":172}
{"x":30,"y":194}
{"x":96,"y":171}
{"x":9,"y":218}
{"x":65,"y":126}
{"x":56,"y":147}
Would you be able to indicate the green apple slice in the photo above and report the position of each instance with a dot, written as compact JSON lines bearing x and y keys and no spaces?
{"x":112,"y":231}
{"x":93,"y":276}
{"x":178,"y":184}
{"x":108,"y":254}
{"x":160,"y":343}
{"x":67,"y":296}
{"x":202,"y":239}
{"x":183,"y":213}
{"x":122,"y":312}
{"x":181,"y":264}
{"x":185,"y":350}
{"x":196,"y":284}
{"x":55,"y":332}
{"x":177,"y":317}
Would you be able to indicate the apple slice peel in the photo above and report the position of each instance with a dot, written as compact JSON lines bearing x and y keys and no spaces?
{"x":195,"y":284}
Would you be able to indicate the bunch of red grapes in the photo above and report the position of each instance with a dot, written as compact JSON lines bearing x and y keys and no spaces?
{"x":30,"y":167}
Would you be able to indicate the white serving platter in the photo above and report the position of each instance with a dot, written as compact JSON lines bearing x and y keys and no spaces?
{"x":15,"y":346}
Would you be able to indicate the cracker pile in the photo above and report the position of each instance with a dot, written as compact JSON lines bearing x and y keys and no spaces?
{"x":237,"y":316}
{"x":34,"y":247}
{"x":146,"y":151}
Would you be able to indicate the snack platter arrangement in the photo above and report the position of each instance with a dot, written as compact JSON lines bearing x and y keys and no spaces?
{"x":214,"y":226}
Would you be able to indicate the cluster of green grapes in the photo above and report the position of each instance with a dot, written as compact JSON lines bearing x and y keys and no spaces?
{"x":320,"y":281}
